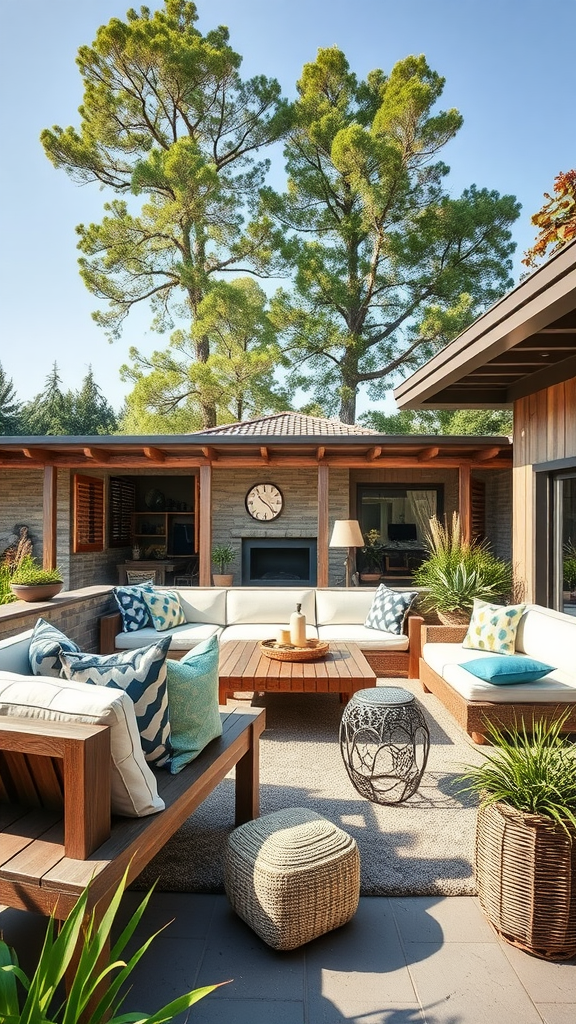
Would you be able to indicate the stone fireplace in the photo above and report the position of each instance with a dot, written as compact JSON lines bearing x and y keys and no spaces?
{"x":279,"y":561}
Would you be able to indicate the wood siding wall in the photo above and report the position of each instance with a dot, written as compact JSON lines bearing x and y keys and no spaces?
{"x":544,"y":431}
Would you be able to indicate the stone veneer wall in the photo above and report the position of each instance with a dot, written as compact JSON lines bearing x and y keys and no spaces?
{"x":498,"y":510}
{"x":76,"y":613}
{"x":299,"y":517}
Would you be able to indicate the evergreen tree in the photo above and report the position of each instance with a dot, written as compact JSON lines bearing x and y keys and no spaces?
{"x":167,"y":119}
{"x":92,"y":413}
{"x":10,"y":407}
{"x":387,"y":266}
{"x":51,"y":412}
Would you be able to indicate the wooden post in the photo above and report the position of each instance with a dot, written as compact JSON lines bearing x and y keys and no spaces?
{"x":49,"y":517}
{"x":205,"y":535}
{"x":465,"y":501}
{"x":322,"y":553}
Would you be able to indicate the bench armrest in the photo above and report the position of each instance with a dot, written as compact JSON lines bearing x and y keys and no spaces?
{"x":110,"y":625}
{"x":415,"y":623}
{"x":29,"y":777}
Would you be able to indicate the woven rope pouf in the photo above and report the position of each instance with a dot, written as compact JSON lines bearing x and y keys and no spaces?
{"x":292,"y":875}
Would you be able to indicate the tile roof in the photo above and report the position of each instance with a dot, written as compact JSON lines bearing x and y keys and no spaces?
{"x":288,"y":424}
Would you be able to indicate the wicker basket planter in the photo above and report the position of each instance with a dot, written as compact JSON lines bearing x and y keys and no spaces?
{"x":526,"y":878}
{"x":455,"y":618}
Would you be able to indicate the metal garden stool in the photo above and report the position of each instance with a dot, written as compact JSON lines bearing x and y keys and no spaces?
{"x":384,"y":742}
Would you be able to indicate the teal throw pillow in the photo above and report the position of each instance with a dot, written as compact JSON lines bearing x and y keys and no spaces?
{"x":142,"y":674}
{"x":164,"y":607}
{"x":193,"y":702}
{"x":46,"y":645}
{"x":504,"y":671}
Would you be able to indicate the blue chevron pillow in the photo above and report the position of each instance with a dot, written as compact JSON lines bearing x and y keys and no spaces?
{"x":142,"y":674}
{"x":46,"y":645}
{"x":133,"y":607}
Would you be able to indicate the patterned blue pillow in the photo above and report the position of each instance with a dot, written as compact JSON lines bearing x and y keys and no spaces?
{"x":133,"y":607}
{"x":46,"y":645}
{"x":142,"y":674}
{"x":164,"y":607}
{"x":389,"y":609}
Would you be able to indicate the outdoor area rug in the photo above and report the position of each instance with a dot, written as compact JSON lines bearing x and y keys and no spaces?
{"x":424,"y":846}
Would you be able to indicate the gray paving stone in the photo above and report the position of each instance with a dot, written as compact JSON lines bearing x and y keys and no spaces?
{"x":189,"y":914}
{"x":557,"y":1013}
{"x":363,"y":961}
{"x":544,"y":981}
{"x":437,"y":919}
{"x":469,"y":983}
{"x":249,"y":1011}
{"x":324,"y":1011}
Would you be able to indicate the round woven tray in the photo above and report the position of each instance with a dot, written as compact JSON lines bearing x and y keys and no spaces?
{"x":285,"y":652}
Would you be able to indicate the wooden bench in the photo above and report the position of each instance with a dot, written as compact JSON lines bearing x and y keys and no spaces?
{"x":57,"y":833}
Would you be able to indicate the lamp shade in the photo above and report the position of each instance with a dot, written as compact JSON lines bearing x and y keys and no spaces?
{"x":346,"y":534}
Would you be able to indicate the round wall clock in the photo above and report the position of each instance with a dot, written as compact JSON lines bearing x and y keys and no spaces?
{"x":264,"y":502}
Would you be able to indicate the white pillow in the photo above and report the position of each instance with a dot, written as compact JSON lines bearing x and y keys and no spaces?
{"x":134,"y":791}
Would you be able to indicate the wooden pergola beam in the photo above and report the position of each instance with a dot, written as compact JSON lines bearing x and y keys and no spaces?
{"x":49,"y":517}
{"x":465,"y":501}
{"x":36,"y":455}
{"x":323,"y":509}
{"x":373,"y":453}
{"x":487,"y":454}
{"x":154,"y":454}
{"x":209,"y":453}
{"x":428,"y":453}
{"x":320,"y":453}
{"x":205,"y":529}
{"x":97,"y":455}
{"x":265,"y":454}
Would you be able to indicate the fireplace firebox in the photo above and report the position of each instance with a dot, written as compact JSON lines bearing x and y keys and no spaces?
{"x":280,"y":561}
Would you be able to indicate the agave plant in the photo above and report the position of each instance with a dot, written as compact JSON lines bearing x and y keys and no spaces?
{"x":457,"y":571}
{"x":533,"y":771}
{"x":37,"y":1000}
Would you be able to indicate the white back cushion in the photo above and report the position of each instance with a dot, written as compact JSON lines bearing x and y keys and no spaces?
{"x":202,"y":604}
{"x":14,"y":653}
{"x":548,"y":636}
{"x":349,"y":605}
{"x":134,"y":791}
{"x":268,"y":604}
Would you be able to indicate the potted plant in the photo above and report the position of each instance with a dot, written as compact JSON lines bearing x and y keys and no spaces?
{"x":222,"y":556}
{"x":456,"y":571}
{"x":526,"y":837}
{"x":372,"y":553}
{"x":30,"y":582}
{"x":96,"y":991}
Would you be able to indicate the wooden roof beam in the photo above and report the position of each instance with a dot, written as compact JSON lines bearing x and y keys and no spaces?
{"x":320,"y":453}
{"x":428,"y":453}
{"x":210,"y":453}
{"x":97,"y":455}
{"x":36,"y":455}
{"x":265,"y":454}
{"x":487,"y":454}
{"x":373,"y":453}
{"x":154,"y":454}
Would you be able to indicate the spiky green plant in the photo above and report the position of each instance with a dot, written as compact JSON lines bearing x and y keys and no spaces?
{"x":6,"y":594}
{"x":456,"y":571}
{"x":37,"y":1000}
{"x":534,"y":772}
{"x":29,"y":572}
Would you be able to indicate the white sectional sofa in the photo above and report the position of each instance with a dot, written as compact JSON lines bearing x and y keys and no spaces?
{"x":253,"y":613}
{"x":543,"y":634}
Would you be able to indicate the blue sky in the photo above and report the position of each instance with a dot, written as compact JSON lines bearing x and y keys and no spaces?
{"x":509,"y":68}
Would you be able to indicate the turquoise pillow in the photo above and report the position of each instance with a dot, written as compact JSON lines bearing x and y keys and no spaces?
{"x":503,"y":670}
{"x":193,"y":702}
{"x":164,"y":607}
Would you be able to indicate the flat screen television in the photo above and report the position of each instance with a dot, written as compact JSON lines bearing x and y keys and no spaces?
{"x":402,"y":531}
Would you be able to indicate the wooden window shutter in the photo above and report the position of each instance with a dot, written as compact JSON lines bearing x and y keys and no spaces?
{"x":88,"y":513}
{"x":122,"y":502}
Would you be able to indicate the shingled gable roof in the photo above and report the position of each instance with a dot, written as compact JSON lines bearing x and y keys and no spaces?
{"x":288,"y":424}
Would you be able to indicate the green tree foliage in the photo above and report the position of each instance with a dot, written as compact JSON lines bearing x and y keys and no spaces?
{"x":458,"y":422}
{"x":387,"y":266}
{"x":167,"y":120}
{"x":57,"y":412}
{"x":10,"y":407}
{"x":237,"y":377}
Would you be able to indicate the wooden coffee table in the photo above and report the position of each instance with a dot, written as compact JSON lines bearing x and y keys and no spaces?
{"x":243,"y":667}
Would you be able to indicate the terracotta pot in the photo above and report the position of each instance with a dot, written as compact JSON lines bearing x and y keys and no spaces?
{"x":224,"y":580}
{"x":370,"y":577}
{"x":36,"y":592}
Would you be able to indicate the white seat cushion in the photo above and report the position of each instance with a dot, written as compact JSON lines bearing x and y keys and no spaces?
{"x":182,"y":638}
{"x":134,"y":792}
{"x":548,"y":636}
{"x":372,"y":639}
{"x":268,"y":604}
{"x":345,"y":605}
{"x":446,"y":660}
{"x":260,"y":631}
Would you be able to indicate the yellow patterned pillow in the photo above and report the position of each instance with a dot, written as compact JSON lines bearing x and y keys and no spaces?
{"x":493,"y":627}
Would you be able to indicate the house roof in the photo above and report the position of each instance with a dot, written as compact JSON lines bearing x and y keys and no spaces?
{"x":524,"y":343}
{"x":288,"y":424}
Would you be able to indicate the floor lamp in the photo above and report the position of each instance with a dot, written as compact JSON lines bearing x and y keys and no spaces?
{"x":347,"y":534}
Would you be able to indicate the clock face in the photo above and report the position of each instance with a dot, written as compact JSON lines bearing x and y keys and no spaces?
{"x":264,"y":502}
